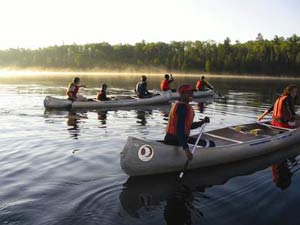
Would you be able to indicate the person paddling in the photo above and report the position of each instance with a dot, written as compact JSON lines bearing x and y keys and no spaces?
{"x":141,"y":88}
{"x":101,"y":95}
{"x":73,"y":88}
{"x":181,"y":121}
{"x":283,"y":109}
{"x":202,"y":83}
{"x":165,"y":83}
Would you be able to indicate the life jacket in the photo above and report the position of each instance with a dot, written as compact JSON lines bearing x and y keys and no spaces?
{"x":280,"y":111}
{"x":164,"y":85}
{"x":101,"y":96}
{"x":199,"y":85}
{"x":173,"y":119}
{"x":73,"y":89}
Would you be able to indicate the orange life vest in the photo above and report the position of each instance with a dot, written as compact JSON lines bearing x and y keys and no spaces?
{"x":280,"y":112}
{"x":164,"y":85}
{"x":199,"y":85}
{"x":173,"y":119}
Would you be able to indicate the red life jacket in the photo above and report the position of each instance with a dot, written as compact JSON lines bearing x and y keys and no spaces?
{"x":173,"y":119}
{"x":280,"y":112}
{"x":164,"y":85}
{"x":199,"y":85}
{"x":73,"y":90}
{"x":101,"y":96}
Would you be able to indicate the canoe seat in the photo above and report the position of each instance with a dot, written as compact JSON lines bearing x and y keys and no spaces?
{"x":256,"y":132}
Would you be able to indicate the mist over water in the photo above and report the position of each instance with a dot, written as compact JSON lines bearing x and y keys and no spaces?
{"x":60,"y":167}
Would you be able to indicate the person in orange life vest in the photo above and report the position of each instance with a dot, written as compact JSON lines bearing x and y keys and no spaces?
{"x":101,"y":95}
{"x":141,"y":88}
{"x":283,"y":109}
{"x":181,"y":121}
{"x":202,"y":83}
{"x":165,"y":83}
{"x":73,"y":89}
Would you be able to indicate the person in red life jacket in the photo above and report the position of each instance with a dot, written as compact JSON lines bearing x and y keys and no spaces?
{"x":181,"y":121}
{"x":202,"y":83}
{"x":165,"y":83}
{"x":141,"y":88}
{"x":283,"y":109}
{"x":101,"y":95}
{"x":73,"y":89}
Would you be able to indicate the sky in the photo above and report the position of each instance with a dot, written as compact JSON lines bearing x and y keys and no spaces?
{"x":41,"y":23}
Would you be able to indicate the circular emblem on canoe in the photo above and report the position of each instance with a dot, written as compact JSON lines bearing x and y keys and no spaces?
{"x":145,"y":153}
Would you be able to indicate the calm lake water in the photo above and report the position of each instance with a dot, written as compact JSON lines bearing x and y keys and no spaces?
{"x":60,"y":167}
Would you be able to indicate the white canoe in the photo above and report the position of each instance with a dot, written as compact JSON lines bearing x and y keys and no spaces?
{"x":58,"y":103}
{"x":197,"y":94}
{"x":145,"y":157}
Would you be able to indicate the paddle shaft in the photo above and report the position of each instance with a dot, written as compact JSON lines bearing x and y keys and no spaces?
{"x":193,"y":150}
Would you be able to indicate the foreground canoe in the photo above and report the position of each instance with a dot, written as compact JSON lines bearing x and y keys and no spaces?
{"x":142,"y":194}
{"x":232,"y":144}
{"x":58,"y":103}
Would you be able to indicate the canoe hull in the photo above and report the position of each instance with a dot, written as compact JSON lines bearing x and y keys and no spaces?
{"x":145,"y":157}
{"x":57,"y":103}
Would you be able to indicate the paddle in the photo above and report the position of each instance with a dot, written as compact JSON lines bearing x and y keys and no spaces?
{"x":206,"y":121}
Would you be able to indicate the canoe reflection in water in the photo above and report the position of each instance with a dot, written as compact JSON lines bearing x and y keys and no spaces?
{"x":184,"y":202}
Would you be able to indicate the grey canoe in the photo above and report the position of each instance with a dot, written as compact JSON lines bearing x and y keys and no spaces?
{"x":197,"y":94}
{"x":58,"y":103}
{"x":232,"y":144}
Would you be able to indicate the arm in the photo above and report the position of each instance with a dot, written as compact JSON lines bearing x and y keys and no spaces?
{"x":208,"y":85}
{"x":266,"y":112}
{"x":171,"y":80}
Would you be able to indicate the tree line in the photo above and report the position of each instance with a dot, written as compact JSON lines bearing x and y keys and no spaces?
{"x":261,"y":56}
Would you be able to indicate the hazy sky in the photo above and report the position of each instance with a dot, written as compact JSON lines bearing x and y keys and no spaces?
{"x":40,"y":23}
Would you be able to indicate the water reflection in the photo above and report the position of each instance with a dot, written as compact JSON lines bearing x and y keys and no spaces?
{"x":73,"y":121}
{"x":102,"y":117}
{"x":142,"y":115}
{"x":182,"y":201}
{"x":179,"y":207}
{"x":282,"y":172}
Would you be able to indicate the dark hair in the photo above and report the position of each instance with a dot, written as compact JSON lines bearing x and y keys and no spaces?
{"x":167,"y":76}
{"x":288,"y":89}
{"x":104,"y":85}
{"x":144,"y":78}
{"x":203,"y":77}
{"x":76,"y":79}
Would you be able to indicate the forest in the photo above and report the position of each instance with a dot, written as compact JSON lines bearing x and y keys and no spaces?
{"x":279,"y":56}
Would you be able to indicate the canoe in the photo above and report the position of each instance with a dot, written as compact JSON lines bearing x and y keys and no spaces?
{"x":58,"y":103}
{"x":234,"y":143}
{"x":197,"y":94}
{"x":143,"y":193}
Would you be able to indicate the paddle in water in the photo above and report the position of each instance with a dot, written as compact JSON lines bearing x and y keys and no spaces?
{"x":206,"y":120}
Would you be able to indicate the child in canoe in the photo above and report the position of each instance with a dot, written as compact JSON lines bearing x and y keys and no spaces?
{"x":101,"y":95}
{"x":73,"y":88}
